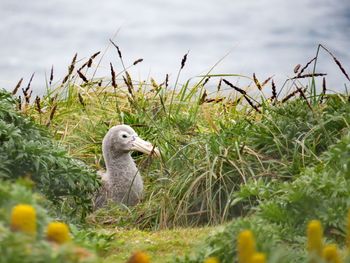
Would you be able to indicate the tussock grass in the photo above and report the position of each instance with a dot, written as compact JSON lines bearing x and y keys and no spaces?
{"x":212,"y":141}
{"x":270,"y":161}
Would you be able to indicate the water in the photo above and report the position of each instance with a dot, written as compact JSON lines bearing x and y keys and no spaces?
{"x":268,"y":37}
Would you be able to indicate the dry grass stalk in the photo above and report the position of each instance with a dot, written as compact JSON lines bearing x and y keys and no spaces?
{"x":296,"y":68}
{"x":337,"y":62}
{"x":183,"y":61}
{"x":83,"y":66}
{"x":233,"y":103}
{"x":154,"y":84}
{"x":302,"y":94}
{"x":81,"y":100}
{"x":51,"y":76}
{"x":217,"y":100}
{"x":82,"y":76}
{"x":309,"y":75}
{"x":306,"y":66}
{"x":203,"y":97}
{"x":256,"y":81}
{"x":54,"y":98}
{"x":166,"y":80}
{"x":15,"y":90}
{"x":234,"y":87}
{"x":52,"y":113}
{"x":291,"y":95}
{"x":19,"y":103}
{"x":137,"y":61}
{"x":206,"y":81}
{"x":128,"y":83}
{"x":219,"y":85}
{"x":251,"y":103}
{"x":27,"y":92}
{"x":37,"y":104}
{"x":70,"y":68}
{"x":324,"y":89}
{"x":114,"y":83}
{"x":27,"y":95}
{"x":89,"y":63}
{"x":266,"y":81}
{"x":118,"y":50}
{"x":274,"y":91}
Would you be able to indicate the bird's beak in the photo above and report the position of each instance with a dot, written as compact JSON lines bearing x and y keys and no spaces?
{"x":144,"y":147}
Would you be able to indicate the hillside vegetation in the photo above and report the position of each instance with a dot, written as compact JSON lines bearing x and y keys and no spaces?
{"x":269,"y":163}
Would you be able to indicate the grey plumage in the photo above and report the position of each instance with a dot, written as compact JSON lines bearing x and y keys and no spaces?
{"x":122,"y":181}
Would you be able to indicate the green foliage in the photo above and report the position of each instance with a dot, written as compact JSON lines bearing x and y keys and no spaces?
{"x":320,"y":192}
{"x":26,"y":150}
{"x":278,"y":163}
{"x":98,"y":241}
{"x":295,"y":135}
{"x":279,"y":221}
{"x":209,"y":151}
{"x":20,"y":247}
{"x":12,"y":194}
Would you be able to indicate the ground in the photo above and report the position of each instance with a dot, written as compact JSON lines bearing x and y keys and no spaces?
{"x":161,"y":245}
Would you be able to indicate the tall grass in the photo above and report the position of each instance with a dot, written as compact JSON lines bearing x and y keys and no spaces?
{"x":213,"y":140}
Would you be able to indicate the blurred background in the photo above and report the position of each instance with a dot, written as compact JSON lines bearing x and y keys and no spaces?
{"x":268,"y":37}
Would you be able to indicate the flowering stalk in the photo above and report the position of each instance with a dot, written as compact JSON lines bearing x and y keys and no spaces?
{"x":58,"y":232}
{"x":245,"y":246}
{"x":348,"y":231}
{"x":331,"y":254}
{"x":258,"y":258}
{"x":23,"y":218}
{"x":314,"y":239}
{"x":211,"y":260}
{"x":139,"y":257}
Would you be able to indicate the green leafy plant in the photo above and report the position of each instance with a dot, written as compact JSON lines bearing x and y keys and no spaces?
{"x":26,"y":150}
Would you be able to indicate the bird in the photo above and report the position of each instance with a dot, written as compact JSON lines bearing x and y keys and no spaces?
{"x":122,"y":181}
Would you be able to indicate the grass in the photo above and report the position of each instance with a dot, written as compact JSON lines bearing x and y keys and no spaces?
{"x":161,"y":245}
{"x":229,"y":153}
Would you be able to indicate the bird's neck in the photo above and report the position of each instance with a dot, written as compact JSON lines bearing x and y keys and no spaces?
{"x":120,"y":164}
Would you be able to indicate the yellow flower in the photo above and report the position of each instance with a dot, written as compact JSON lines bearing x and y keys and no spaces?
{"x":23,"y":218}
{"x":258,"y":258}
{"x":139,"y":257}
{"x":330,"y":254}
{"x":245,"y":246}
{"x":58,"y":232}
{"x":348,"y":231}
{"x":314,"y":238}
{"x":211,"y":260}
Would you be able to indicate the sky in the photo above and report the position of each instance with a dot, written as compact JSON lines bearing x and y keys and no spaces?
{"x":266,"y":37}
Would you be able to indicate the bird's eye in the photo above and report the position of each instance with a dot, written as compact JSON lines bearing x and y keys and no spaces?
{"x":125,"y":136}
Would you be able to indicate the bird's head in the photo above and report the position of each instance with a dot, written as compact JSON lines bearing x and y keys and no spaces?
{"x":123,"y":138}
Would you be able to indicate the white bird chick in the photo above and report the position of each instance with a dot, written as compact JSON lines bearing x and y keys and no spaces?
{"x":122,"y":181}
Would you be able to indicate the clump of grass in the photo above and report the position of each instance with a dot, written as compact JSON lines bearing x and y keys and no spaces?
{"x":212,"y":143}
{"x":284,"y":209}
{"x":27,"y":151}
